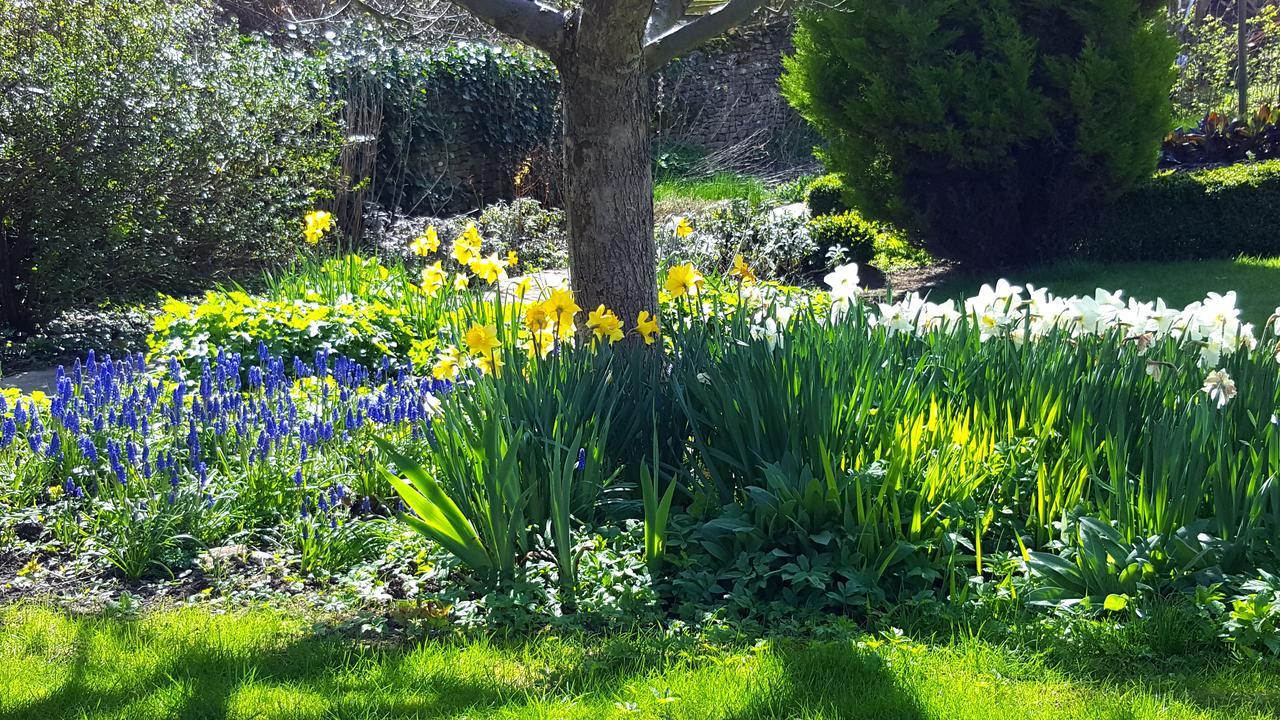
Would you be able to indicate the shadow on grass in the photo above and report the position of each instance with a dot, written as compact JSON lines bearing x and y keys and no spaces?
{"x":314,"y":675}
{"x":199,"y":675}
{"x":1170,"y":653}
{"x":205,"y":678}
{"x":831,"y":680}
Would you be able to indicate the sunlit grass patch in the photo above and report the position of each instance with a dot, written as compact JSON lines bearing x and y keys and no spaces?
{"x":269,"y":664}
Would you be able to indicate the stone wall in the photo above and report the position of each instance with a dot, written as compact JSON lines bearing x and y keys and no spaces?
{"x":725,"y":97}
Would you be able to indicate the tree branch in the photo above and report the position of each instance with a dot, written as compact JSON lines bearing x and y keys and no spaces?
{"x":690,"y":35}
{"x":528,"y":21}
{"x":664,"y":16}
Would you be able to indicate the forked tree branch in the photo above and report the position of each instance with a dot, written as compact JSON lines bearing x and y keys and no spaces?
{"x":692,"y":34}
{"x":528,"y":21}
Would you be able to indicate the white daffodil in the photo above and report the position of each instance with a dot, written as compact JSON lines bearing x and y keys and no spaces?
{"x":843,"y":281}
{"x":1220,"y":388}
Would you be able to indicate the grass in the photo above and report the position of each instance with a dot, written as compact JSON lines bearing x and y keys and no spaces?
{"x":263,"y":664}
{"x":674,"y":195}
{"x":713,"y":188}
{"x":1256,"y":281}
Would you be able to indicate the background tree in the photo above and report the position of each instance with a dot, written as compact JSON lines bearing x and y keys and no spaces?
{"x":605,"y":51}
{"x":989,"y":128}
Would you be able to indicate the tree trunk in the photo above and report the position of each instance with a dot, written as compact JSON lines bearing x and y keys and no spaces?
{"x":1242,"y":57}
{"x":608,"y":175}
{"x":13,"y":252}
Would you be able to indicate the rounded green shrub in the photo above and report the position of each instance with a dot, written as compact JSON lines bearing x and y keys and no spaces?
{"x":825,"y":196}
{"x":144,"y":148}
{"x":845,"y":238}
{"x":985,"y":127}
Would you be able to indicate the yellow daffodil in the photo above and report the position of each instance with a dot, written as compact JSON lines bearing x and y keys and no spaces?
{"x":490,"y":364}
{"x":316,"y":224}
{"x":433,"y":277}
{"x":512,"y":258}
{"x":562,"y":309}
{"x":464,"y":254}
{"x":541,"y":342}
{"x":605,"y":324}
{"x":489,"y":269}
{"x":482,"y":339}
{"x":536,"y":318}
{"x":683,"y":228}
{"x":522,"y":286}
{"x":742,"y":270}
{"x":467,"y":247}
{"x":426,"y":243}
{"x":683,"y":279}
{"x":447,"y":365}
{"x":460,"y":282}
{"x":647,"y":326}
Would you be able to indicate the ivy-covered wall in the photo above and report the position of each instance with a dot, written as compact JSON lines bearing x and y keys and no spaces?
{"x":448,"y":129}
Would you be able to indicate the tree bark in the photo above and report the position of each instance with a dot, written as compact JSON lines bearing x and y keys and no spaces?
{"x":1242,"y":57}
{"x":605,"y":50}
{"x":14,"y":249}
{"x":608,"y":172}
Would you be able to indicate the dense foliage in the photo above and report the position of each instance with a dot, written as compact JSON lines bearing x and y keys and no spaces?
{"x":825,"y":196}
{"x":779,"y":246}
{"x":349,"y":306}
{"x":537,"y":233}
{"x":142,"y":146}
{"x":1220,"y":140}
{"x":452,"y":122}
{"x":847,"y":238}
{"x":1215,"y":213}
{"x":985,"y":127}
{"x":1207,"y":63}
{"x":1021,"y":448}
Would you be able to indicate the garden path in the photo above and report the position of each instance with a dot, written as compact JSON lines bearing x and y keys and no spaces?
{"x":42,"y":379}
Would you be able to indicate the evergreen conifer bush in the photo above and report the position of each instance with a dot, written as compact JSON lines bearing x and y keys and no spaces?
{"x":987,"y":127}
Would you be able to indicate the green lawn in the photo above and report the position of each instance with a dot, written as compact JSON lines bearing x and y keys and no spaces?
{"x":721,"y":186}
{"x":1256,"y":281}
{"x":262,"y":664}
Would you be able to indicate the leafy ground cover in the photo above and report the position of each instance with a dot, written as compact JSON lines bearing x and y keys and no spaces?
{"x":271,"y":664}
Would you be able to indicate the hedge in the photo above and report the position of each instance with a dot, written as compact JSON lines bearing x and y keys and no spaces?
{"x":144,"y":147}
{"x":846,"y":237}
{"x":985,"y":127}
{"x":1191,"y":215}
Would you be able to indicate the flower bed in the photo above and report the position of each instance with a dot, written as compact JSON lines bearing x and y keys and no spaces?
{"x":757,"y":452}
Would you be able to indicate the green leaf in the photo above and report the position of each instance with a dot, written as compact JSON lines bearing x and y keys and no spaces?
{"x":439,"y":517}
{"x":1116,"y":603}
